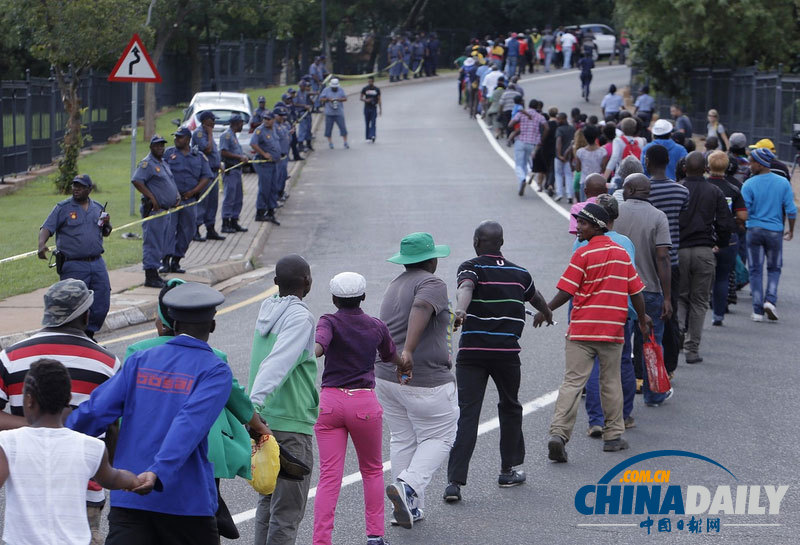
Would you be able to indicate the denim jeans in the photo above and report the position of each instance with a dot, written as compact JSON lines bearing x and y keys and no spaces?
{"x":567,"y":58}
{"x":762,"y":245}
{"x":563,"y":175}
{"x":548,"y":59}
{"x":593,"y":407}
{"x":653,"y":302}
{"x":370,"y":115}
{"x":726,"y":259}
{"x":511,"y":66}
{"x":522,"y":159}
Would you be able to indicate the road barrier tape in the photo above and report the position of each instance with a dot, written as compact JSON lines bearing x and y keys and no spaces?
{"x":362,"y":76}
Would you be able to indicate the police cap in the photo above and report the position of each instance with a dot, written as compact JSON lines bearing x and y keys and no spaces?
{"x":183,"y":131}
{"x":234,"y":118}
{"x":192,"y":302}
{"x":82,"y":179}
{"x":157,"y":139}
{"x":206,"y":115}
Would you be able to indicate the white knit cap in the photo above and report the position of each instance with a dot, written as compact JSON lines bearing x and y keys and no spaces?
{"x":348,"y":284}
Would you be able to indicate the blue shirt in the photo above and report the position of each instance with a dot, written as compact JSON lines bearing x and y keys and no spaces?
{"x":229,"y":142}
{"x":258,"y":116}
{"x":611,"y":103}
{"x":627,"y":245}
{"x":768,"y":197}
{"x":168,"y":397}
{"x":267,"y":140}
{"x":200,"y":139}
{"x":513,"y":48}
{"x":76,"y":230}
{"x":645,"y":103}
{"x":284,"y":137}
{"x":333,"y":108}
{"x":157,"y":177}
{"x":187,"y":169}
{"x":675,"y":150}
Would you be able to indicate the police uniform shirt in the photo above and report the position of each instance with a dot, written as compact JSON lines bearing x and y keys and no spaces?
{"x":200,"y":139}
{"x":157,"y":177}
{"x":77,"y":234}
{"x":187,"y":169}
{"x":230,"y":143}
{"x":284,"y":138}
{"x":371,"y":94}
{"x":258,"y":116}
{"x":267,"y":140}
{"x":315,"y":70}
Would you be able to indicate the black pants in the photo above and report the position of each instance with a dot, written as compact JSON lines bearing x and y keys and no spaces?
{"x":672,"y":331}
{"x":472,"y":377}
{"x":137,"y":527}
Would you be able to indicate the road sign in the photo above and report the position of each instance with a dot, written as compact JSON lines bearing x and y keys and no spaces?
{"x":135,"y":64}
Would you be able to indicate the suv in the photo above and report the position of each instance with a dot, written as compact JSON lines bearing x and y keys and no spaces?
{"x":223,"y":105}
{"x":605,"y":40}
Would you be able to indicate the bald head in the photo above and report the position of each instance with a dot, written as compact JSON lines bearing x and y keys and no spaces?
{"x":695,"y":164}
{"x":595,"y":185}
{"x":488,"y":237}
{"x":293,"y":276}
{"x":636,"y":186}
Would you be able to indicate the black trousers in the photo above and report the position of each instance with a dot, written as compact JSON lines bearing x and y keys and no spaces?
{"x":472,"y":377}
{"x":137,"y":527}
{"x":672,"y":330}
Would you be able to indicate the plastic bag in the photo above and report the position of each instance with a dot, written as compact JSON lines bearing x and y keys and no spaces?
{"x":657,"y":378}
{"x":265,"y":463}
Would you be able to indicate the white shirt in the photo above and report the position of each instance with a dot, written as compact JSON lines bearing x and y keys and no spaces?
{"x":490,"y":81}
{"x":46,"y":487}
{"x":568,"y":40}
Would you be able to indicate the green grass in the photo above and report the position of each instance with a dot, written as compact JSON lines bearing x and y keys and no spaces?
{"x":24,"y":211}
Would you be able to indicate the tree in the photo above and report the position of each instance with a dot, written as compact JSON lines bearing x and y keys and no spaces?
{"x":73,"y":36}
{"x":670,"y":37}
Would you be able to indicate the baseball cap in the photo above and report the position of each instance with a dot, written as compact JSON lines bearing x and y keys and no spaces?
{"x":765,"y":143}
{"x":348,"y":284}
{"x":66,"y":300}
{"x":82,"y":179}
{"x":662,"y":127}
{"x":738,"y":140}
{"x":418,"y":247}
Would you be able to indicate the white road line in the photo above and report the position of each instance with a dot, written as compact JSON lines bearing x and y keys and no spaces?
{"x":490,"y":425}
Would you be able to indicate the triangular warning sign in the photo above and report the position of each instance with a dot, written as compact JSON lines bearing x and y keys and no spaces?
{"x":135,"y":64}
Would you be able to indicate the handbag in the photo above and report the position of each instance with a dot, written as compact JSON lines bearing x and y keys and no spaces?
{"x":657,"y":378}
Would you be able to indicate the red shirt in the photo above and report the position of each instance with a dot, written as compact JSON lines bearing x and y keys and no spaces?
{"x":600,"y":276}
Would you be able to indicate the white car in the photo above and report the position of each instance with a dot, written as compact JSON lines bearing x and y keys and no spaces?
{"x":605,"y":40}
{"x":223,"y":105}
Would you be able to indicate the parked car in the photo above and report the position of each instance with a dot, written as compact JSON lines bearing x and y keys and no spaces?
{"x":224,"y":105}
{"x":605,"y":40}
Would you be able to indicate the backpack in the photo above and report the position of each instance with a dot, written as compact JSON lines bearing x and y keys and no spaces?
{"x":631,"y":148}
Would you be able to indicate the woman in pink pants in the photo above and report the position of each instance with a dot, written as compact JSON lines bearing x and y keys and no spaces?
{"x":349,"y":339}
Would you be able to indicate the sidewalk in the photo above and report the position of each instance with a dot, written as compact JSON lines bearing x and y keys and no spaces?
{"x":226,"y":264}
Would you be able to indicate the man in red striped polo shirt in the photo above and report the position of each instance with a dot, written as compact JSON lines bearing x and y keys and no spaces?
{"x":63,"y":338}
{"x":599,"y":279}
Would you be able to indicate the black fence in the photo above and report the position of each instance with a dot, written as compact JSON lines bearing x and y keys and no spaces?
{"x":758,"y":104}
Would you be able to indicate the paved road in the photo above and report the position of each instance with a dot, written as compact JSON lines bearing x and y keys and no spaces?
{"x":433,"y":169}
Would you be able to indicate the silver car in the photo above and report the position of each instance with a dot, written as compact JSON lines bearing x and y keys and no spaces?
{"x":223,"y":105}
{"x":604,"y":38}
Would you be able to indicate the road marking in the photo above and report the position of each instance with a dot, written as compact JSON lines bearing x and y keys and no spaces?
{"x":260,"y":297}
{"x":490,"y":425}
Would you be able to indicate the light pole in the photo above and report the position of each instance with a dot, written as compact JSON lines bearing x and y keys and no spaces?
{"x":324,"y":28}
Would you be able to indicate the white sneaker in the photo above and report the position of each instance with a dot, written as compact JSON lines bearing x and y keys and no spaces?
{"x":770,"y":311}
{"x":757,"y":317}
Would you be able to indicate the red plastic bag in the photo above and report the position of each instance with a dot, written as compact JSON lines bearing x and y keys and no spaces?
{"x":657,"y":378}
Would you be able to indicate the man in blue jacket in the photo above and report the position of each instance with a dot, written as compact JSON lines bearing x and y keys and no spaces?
{"x":662,"y":131}
{"x":168,"y":398}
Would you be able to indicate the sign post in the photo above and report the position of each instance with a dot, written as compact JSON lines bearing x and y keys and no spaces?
{"x":134,"y":66}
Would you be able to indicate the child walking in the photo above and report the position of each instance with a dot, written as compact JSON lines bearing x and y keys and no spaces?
{"x":46,"y":466}
{"x":349,"y":339}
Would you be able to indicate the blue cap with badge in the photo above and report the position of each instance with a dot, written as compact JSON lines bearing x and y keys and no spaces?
{"x":82,"y":179}
{"x":206,"y":115}
{"x":183,"y":131}
{"x":157,"y":139}
{"x":235,"y":117}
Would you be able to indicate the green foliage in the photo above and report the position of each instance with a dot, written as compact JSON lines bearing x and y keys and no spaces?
{"x":670,"y":37}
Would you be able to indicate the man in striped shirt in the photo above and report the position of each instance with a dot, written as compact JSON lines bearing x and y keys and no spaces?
{"x":532,"y":131}
{"x":490,"y":304}
{"x":599,"y":279}
{"x":63,"y":338}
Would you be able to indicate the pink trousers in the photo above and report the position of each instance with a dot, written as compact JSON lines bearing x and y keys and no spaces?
{"x":357,"y":413}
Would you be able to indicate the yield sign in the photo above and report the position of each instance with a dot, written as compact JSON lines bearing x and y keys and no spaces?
{"x":135,"y":64}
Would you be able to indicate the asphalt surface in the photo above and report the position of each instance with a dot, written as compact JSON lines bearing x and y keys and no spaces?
{"x":433,"y":169}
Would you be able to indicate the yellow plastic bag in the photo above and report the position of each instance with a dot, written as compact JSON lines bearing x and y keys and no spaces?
{"x":265,"y":463}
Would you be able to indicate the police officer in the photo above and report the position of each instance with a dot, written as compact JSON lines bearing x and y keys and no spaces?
{"x":79,"y":225}
{"x":294,"y":114}
{"x":395,"y":59}
{"x":283,"y":130}
{"x":417,"y":54}
{"x":303,"y":103}
{"x":406,"y":49}
{"x":258,"y":114}
{"x":203,"y":138}
{"x":266,"y":148}
{"x":433,"y":53}
{"x":192,"y":174}
{"x":153,"y":179}
{"x":232,"y":154}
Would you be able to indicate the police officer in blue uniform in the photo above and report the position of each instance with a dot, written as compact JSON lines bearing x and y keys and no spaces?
{"x":203,"y":138}
{"x":395,"y":59}
{"x":406,"y":45}
{"x":266,"y":148}
{"x":303,"y":103}
{"x":192,"y":174}
{"x":258,"y":114}
{"x":232,"y":155}
{"x":153,"y":179}
{"x":294,"y":114}
{"x":432,"y":55}
{"x":79,"y":225}
{"x":417,"y":54}
{"x":283,"y":130}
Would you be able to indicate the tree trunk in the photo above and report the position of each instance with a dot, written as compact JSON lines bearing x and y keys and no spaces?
{"x":196,"y":63}
{"x":72,"y":143}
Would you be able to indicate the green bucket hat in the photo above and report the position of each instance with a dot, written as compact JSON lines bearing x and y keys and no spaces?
{"x":418,"y":247}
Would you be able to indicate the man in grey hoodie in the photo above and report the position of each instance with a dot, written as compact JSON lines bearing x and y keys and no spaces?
{"x":283,"y":374}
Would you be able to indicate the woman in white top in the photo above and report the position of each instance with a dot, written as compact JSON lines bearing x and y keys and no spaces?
{"x":627,"y":140}
{"x":611,"y":104}
{"x":715,"y":128}
{"x":46,"y":467}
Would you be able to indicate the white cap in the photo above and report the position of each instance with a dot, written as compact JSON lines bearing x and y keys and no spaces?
{"x":334,"y":82}
{"x":661,"y":127}
{"x":348,"y":284}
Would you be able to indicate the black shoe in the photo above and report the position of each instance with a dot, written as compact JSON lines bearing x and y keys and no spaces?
{"x":452,"y":493}
{"x":165,"y":266}
{"x":614,"y":445}
{"x":693,"y":357}
{"x":556,"y":450}
{"x":152,"y":280}
{"x":175,"y":265}
{"x":272,"y":219}
{"x":227,"y":226}
{"x":211,"y":233}
{"x":511,"y":477}
{"x":717,"y":322}
{"x":236,"y":227}
{"x":198,"y":237}
{"x":261,"y":215}
{"x":298,"y":158}
{"x":308,"y":145}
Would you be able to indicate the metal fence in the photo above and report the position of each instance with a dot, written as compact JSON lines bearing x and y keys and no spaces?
{"x":758,"y":104}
